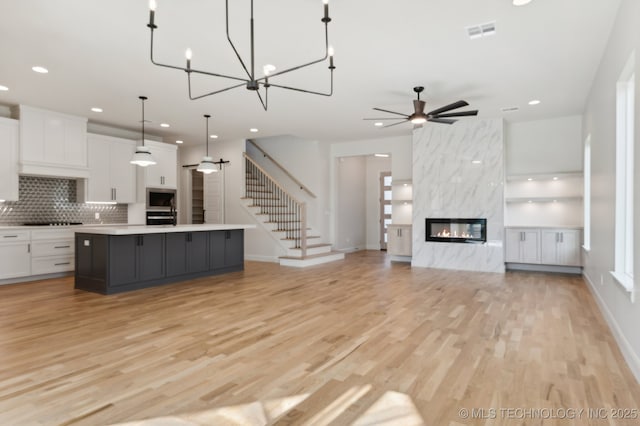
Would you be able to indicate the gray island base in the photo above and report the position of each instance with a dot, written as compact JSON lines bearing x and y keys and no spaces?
{"x":123,"y":258}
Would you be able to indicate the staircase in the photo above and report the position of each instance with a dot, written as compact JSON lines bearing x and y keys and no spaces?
{"x":285,"y":218}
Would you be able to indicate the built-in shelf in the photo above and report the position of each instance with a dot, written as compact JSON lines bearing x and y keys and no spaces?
{"x":541,"y":199}
{"x":401,"y":202}
{"x":543,"y":176}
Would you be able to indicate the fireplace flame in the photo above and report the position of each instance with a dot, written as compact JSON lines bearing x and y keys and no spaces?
{"x":445,"y":233}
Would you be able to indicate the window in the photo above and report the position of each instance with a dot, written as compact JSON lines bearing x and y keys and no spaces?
{"x":587,"y":193}
{"x":625,"y":107}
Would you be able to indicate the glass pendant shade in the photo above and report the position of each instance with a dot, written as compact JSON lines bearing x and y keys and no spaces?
{"x":142,"y":157}
{"x":207,"y":166}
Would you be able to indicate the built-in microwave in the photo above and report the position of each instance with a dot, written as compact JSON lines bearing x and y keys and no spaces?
{"x":161,"y":199}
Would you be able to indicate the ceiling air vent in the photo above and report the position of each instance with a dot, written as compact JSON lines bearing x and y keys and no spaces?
{"x":510,"y":109}
{"x":481,"y":30}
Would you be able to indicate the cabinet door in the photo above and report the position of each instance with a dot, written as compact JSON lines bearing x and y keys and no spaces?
{"x":405,"y":242}
{"x":31,"y":135}
{"x":569,"y":248}
{"x":99,"y":185}
{"x":234,"y":247}
{"x":9,"y":159}
{"x":54,"y":143}
{"x":123,"y":251}
{"x":15,"y":260}
{"x":198,"y":252}
{"x":530,"y":247}
{"x":216,"y":249}
{"x":75,"y":142}
{"x":151,"y":254}
{"x":163,"y":173}
{"x":549,"y":249}
{"x":176,"y":253}
{"x":122,"y":173}
{"x":513,"y":239}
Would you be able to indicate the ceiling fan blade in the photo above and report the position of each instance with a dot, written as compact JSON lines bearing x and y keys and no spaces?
{"x":449,"y":107}
{"x":395,"y":124}
{"x":391,"y":112}
{"x":457,"y":114}
{"x":441,"y":120}
{"x":376,"y":119}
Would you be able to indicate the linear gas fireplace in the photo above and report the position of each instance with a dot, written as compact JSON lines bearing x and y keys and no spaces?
{"x":447,"y":230}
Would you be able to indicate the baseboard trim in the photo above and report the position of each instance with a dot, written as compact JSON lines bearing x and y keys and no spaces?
{"x":629,"y":355}
{"x":30,"y":278}
{"x":543,"y":268}
{"x":396,"y":258}
{"x":258,"y":258}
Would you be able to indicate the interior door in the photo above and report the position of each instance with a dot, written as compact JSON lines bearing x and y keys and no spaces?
{"x":385,"y":207}
{"x":214,"y":197}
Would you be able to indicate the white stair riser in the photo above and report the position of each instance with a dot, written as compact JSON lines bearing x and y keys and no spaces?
{"x":293,"y":252}
{"x":311,"y":262}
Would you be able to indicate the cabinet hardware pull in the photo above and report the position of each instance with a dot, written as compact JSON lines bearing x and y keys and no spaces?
{"x":562,"y":237}
{"x":60,"y":264}
{"x":29,"y":248}
{"x":61,"y":247}
{"x":115,"y":194}
{"x":10,"y":236}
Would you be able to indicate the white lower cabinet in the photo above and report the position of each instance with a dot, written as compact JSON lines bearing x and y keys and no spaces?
{"x":561,"y":247}
{"x":399,"y":240}
{"x":52,"y":251}
{"x":546,"y":246}
{"x":15,"y":254}
{"x":522,"y":245}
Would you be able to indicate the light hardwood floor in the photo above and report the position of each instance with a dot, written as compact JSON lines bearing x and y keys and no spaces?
{"x":360,"y":341}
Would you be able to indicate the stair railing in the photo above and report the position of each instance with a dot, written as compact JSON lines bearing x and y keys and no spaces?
{"x":285,"y":171}
{"x":288,"y":213}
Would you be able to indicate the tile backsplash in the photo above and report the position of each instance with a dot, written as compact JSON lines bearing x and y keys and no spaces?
{"x":55,"y":200}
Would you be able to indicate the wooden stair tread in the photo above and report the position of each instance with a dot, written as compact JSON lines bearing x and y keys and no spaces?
{"x":312,"y":246}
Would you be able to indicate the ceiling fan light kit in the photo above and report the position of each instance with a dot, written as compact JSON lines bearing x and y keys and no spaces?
{"x":419,"y":117}
{"x":251,"y":81}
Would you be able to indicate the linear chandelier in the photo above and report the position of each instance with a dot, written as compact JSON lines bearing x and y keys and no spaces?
{"x":251,"y":81}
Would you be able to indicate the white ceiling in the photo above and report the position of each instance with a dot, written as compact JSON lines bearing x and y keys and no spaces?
{"x":97,"y":52}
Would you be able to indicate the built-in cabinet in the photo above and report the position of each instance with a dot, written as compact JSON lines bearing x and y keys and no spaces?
{"x":51,"y":143}
{"x":399,"y":240}
{"x":9,"y":131}
{"x":522,"y":245}
{"x":226,"y":249}
{"x":112,"y":177}
{"x":52,"y":251}
{"x":164,"y":173}
{"x":15,"y":254}
{"x":187,"y":253}
{"x":543,"y":246}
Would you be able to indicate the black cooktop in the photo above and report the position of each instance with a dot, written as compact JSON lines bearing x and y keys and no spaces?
{"x":51,"y":223}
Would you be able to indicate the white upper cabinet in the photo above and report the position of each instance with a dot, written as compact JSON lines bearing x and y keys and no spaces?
{"x":164,"y":173}
{"x":51,"y":143}
{"x":112,"y":177}
{"x":9,"y":159}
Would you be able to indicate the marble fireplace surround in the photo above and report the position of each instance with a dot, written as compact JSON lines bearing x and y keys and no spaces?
{"x":458,"y":172}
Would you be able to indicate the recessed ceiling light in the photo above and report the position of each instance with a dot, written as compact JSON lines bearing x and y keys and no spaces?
{"x":164,"y":125}
{"x":555,"y":178}
{"x":381,"y":155}
{"x":476,"y":162}
{"x":530,"y":179}
{"x":529,"y":201}
{"x":534,"y":102}
{"x":3,"y":88}
{"x":41,"y":70}
{"x":521,"y":2}
{"x":378,"y":124}
{"x":253,"y":130}
{"x":213,"y":136}
{"x":179,"y":142}
{"x":96,"y":109}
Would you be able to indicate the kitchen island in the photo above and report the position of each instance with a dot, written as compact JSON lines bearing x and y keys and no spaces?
{"x":114,"y":259}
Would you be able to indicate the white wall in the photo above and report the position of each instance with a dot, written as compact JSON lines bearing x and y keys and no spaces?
{"x":259,"y":244}
{"x":447,"y":184}
{"x":374,"y":166}
{"x":544,"y":146}
{"x":400,"y":149}
{"x":351,"y":206}
{"x":308,"y":162}
{"x":600,"y":121}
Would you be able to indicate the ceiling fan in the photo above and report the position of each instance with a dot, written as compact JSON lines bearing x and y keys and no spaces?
{"x":439,"y":115}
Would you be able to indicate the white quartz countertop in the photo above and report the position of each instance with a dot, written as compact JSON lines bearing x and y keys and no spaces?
{"x":51,"y":227}
{"x":157,"y":229}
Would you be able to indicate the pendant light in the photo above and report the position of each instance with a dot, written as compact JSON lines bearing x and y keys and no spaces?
{"x":142,"y":156}
{"x":207,"y":165}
